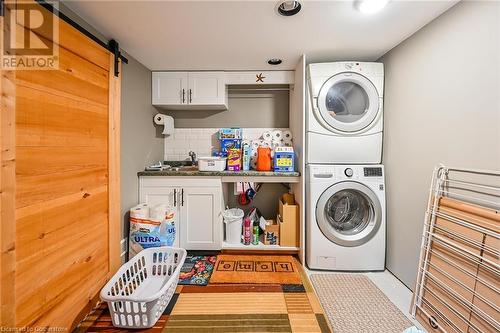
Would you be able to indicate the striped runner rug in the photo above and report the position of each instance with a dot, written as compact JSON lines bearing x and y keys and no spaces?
{"x":232,"y":308}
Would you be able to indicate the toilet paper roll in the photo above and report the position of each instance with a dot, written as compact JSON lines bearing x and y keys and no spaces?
{"x":287,"y":140}
{"x":287,"y":135}
{"x":267,"y":136}
{"x":277,"y":135}
{"x":266,"y":144}
{"x":253,"y":164}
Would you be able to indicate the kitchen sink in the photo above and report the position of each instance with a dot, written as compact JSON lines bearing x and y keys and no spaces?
{"x":185,"y":168}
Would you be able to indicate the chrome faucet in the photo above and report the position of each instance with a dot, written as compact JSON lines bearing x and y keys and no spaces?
{"x":192,"y":154}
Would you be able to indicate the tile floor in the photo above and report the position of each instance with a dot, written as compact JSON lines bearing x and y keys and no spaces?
{"x":394,"y":289}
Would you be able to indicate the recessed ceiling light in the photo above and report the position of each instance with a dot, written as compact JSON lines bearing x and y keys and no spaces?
{"x":288,"y":8}
{"x":370,"y":6}
{"x":274,"y":61}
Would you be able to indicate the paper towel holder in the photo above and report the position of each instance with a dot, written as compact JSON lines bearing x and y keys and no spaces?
{"x":166,"y":121}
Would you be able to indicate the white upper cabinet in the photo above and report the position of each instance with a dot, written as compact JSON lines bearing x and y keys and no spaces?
{"x":206,"y":88}
{"x":170,"y":88}
{"x":189,"y":90}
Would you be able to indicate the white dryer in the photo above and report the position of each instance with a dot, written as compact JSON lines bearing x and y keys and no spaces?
{"x":345,"y":113}
{"x":345,"y":217}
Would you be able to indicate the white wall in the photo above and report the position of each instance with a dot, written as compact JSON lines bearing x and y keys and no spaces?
{"x":141,"y":140}
{"x":441,"y":105}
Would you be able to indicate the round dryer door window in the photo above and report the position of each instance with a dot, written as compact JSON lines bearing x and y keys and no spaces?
{"x":348,"y":102}
{"x":349,"y":213}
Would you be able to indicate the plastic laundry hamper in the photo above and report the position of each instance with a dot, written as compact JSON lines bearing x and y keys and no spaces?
{"x":140,"y":291}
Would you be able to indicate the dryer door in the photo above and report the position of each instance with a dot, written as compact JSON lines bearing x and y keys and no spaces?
{"x":348,"y":213}
{"x":348,"y":102}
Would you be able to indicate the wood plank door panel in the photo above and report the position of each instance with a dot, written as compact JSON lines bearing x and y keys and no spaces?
{"x":65,"y":192}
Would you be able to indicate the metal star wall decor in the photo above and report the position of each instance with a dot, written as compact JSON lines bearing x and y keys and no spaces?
{"x":260,"y":78}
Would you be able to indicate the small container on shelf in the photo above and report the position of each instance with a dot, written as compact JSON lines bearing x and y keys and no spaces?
{"x":271,"y":235}
{"x":212,"y":163}
{"x":284,"y":159}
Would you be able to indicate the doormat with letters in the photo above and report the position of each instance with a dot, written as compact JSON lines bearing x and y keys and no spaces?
{"x":255,"y":269}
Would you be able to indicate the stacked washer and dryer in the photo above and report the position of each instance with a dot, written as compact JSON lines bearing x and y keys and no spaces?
{"x":345,"y":189}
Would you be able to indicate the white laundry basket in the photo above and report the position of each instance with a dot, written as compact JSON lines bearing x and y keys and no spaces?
{"x":233,"y":219}
{"x":140,"y":291}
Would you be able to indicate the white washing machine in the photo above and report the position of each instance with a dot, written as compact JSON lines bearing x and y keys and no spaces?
{"x":345,"y":113}
{"x":345,"y":217}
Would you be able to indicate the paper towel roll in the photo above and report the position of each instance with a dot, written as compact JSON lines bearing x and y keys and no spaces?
{"x":166,"y":121}
{"x":277,"y":135}
{"x":159,"y":119}
{"x":140,"y":211}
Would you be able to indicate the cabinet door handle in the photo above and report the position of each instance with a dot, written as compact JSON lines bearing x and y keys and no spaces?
{"x":175,"y":197}
{"x":182,"y":197}
{"x":183,"y":96}
{"x":190,"y":95}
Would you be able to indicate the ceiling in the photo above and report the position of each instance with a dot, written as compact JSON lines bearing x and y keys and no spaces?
{"x":239,"y":35}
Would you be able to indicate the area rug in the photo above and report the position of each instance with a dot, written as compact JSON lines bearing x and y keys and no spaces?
{"x":230,"y":308}
{"x":353,"y":304}
{"x":255,"y":269}
{"x":197,"y":270}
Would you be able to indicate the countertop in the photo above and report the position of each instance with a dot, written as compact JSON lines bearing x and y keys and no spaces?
{"x":196,"y":173}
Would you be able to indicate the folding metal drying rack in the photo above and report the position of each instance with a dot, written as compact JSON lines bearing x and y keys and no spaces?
{"x":480,"y":188}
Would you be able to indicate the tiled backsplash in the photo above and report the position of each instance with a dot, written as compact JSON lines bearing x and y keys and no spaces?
{"x":200,"y":140}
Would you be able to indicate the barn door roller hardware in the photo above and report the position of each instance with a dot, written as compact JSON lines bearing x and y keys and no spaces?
{"x":114,"y":47}
{"x":111,"y":46}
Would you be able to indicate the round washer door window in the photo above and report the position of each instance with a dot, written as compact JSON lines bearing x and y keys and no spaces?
{"x":348,"y":213}
{"x":348,"y":102}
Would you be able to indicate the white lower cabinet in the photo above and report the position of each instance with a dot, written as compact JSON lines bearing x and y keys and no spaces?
{"x":201,"y":218}
{"x":198,"y":204}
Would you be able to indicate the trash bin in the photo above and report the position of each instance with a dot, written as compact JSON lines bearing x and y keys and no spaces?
{"x":233,"y":219}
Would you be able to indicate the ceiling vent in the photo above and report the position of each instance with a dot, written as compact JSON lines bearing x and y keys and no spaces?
{"x":288,"y":8}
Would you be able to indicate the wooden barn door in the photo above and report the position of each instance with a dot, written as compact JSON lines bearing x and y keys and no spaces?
{"x":60,"y":222}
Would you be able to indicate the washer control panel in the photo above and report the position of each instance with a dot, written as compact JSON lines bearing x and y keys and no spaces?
{"x":372,"y":172}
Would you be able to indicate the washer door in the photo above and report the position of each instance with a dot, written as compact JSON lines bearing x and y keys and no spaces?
{"x":348,"y":213}
{"x":348,"y":102}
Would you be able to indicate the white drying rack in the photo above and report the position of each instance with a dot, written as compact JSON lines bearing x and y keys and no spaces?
{"x":477,"y":187}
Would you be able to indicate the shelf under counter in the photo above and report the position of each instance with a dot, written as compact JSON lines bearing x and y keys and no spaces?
{"x":260,"y":247}
{"x":231,"y":176}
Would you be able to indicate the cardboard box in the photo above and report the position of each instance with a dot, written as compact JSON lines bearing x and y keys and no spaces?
{"x":271,"y":235}
{"x":288,"y":219}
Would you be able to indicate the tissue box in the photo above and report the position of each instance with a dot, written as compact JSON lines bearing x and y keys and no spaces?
{"x":271,"y":234}
{"x":284,"y":159}
{"x":226,"y":144}
{"x":230,"y":133}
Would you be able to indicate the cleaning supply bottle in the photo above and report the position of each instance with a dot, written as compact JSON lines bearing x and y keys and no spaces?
{"x":255,"y":233}
{"x":246,"y":150}
{"x":247,"y":231}
{"x":264,"y":159}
